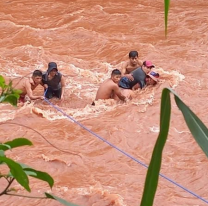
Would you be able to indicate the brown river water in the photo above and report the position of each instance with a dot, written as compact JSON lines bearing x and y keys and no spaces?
{"x":88,"y":39}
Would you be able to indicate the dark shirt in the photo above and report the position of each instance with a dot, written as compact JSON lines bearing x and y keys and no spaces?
{"x":139,"y":77}
{"x":54,"y":83}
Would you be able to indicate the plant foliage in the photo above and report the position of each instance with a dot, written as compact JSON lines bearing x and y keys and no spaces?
{"x":18,"y":171}
{"x":195,"y":125}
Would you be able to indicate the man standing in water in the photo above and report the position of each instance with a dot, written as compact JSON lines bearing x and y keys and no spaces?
{"x":28,"y":85}
{"x":53,"y":82}
{"x":109,"y":88}
{"x":132,"y":64}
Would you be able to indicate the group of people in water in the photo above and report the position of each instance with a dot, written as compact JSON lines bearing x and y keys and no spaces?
{"x":52,"y":81}
{"x":134,"y":74}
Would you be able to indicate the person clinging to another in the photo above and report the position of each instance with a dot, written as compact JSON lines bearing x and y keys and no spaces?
{"x":138,"y":76}
{"x":27,"y":85}
{"x":109,"y":88}
{"x":152,"y":78}
{"x":53,"y":82}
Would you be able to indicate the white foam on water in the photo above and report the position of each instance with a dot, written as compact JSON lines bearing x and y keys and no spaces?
{"x":155,"y":129}
{"x":181,"y":132}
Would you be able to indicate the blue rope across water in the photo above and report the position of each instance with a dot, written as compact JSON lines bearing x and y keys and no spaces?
{"x":123,"y":152}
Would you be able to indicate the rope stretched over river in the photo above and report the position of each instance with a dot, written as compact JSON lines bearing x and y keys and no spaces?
{"x":123,"y":152}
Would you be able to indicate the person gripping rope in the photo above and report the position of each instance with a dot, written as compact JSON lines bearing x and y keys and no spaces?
{"x":53,"y":82}
{"x":27,"y":85}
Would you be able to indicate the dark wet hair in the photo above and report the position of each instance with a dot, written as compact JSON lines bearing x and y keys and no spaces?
{"x":133,"y":54}
{"x":144,"y":63}
{"x":116,"y":72}
{"x":37,"y":73}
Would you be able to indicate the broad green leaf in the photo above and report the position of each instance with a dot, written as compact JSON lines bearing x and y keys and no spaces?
{"x":12,"y":99}
{"x":37,"y":174}
{"x":155,"y":164}
{"x":1,"y":155}
{"x":64,"y":202}
{"x":18,"y":142}
{"x":17,"y":172}
{"x":40,"y":175}
{"x":4,"y":147}
{"x":195,"y":125}
{"x":166,"y":3}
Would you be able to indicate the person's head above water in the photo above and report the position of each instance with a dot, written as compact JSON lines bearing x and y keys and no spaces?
{"x":116,"y":75}
{"x":133,"y":57}
{"x":133,"y":54}
{"x":37,"y":76}
{"x":52,"y":66}
{"x":152,"y":78}
{"x":147,"y":66}
{"x":37,"y":73}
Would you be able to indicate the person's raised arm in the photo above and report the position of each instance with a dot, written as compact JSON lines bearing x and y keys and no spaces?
{"x":63,"y":85}
{"x":30,"y":92}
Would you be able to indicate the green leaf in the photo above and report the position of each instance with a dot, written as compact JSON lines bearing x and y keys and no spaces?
{"x":9,"y":94}
{"x":2,"y":82}
{"x":2,"y":98}
{"x":2,"y":153}
{"x":166,"y":3}
{"x":4,"y":147}
{"x":10,"y":84}
{"x":195,"y":125}
{"x":155,"y":164}
{"x":17,"y":91}
{"x":64,"y":202}
{"x":12,"y":99}
{"x":18,"y":142}
{"x":17,"y":172}
{"x":40,"y":175}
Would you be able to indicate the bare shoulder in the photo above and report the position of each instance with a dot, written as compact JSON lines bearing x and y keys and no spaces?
{"x":126,"y":64}
{"x":109,"y":83}
{"x":114,"y":85}
{"x":27,"y":82}
{"x":140,"y":62}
